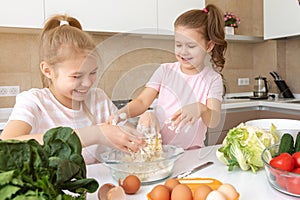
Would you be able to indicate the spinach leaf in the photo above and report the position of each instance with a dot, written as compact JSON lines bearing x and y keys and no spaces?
{"x":14,"y":154}
{"x":30,"y":171}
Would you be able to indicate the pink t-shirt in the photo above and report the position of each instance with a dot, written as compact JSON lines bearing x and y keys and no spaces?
{"x":40,"y":109}
{"x":176,"y":90}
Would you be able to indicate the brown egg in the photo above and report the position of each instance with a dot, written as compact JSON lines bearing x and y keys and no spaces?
{"x":228,"y":191}
{"x":171,"y":183}
{"x":103,"y":190}
{"x":181,"y":192}
{"x":160,"y":192}
{"x":201,"y":192}
{"x":131,"y":184}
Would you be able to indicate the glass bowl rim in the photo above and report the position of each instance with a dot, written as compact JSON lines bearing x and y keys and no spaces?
{"x":282,"y":172}
{"x":178,"y":152}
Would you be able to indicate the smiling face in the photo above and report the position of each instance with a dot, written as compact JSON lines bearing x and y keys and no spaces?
{"x":71,"y":79}
{"x":190,"y":49}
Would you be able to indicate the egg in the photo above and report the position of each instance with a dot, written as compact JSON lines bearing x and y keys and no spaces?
{"x":116,"y":193}
{"x":215,"y":195}
{"x":131,"y":184}
{"x":171,"y":183}
{"x":201,"y":192}
{"x":181,"y":192}
{"x":160,"y":192}
{"x":103,"y":190}
{"x":228,"y":191}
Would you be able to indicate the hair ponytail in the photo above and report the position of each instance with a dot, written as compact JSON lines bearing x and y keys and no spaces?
{"x":55,"y":21}
{"x":61,"y":41}
{"x":215,"y":31}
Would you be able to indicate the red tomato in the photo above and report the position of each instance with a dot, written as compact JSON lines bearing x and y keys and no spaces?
{"x":296,"y":157}
{"x":293,"y":185}
{"x":284,"y":162}
{"x":281,"y":180}
{"x":297,"y":170}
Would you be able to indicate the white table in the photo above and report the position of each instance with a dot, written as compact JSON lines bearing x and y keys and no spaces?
{"x":250,"y":186}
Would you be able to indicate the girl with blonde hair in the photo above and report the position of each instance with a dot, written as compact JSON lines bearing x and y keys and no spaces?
{"x":69,"y":65}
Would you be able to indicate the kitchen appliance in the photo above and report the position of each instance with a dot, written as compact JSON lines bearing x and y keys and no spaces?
{"x":260,"y":87}
{"x":282,"y":86}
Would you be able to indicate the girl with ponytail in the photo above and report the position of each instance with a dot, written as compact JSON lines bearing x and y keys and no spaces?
{"x":189,"y":93}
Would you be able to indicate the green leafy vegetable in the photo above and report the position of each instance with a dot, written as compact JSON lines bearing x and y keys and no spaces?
{"x":243,"y":146}
{"x":29,"y":170}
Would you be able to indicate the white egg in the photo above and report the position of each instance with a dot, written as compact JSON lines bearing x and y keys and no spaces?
{"x":215,"y":195}
{"x":228,"y":191}
{"x":116,"y":193}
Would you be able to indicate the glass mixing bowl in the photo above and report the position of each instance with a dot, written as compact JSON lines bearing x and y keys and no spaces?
{"x":121,"y":164}
{"x":283,"y":181}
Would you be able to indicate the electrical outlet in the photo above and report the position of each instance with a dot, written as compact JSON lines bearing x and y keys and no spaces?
{"x":9,"y":91}
{"x":243,"y":81}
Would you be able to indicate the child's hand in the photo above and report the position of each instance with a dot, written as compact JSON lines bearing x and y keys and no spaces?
{"x":187,"y":115}
{"x":148,"y":121}
{"x":117,"y":118}
{"x":117,"y":137}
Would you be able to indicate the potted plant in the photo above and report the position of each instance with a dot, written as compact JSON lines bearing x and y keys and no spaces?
{"x":231,"y":22}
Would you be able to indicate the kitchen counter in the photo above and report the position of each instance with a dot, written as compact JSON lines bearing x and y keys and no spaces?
{"x":278,"y":104}
{"x":249,"y":185}
{"x":284,"y":105}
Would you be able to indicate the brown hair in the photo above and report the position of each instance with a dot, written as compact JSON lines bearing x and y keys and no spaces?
{"x":61,"y":41}
{"x":210,"y":23}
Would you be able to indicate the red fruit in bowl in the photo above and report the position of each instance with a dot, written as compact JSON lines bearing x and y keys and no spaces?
{"x":297,"y":170}
{"x":296,"y":157}
{"x":293,"y":185}
{"x":284,"y":162}
{"x":281,"y":181}
{"x":278,"y":176}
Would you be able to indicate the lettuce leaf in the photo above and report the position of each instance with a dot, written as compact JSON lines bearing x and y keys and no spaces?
{"x":243,"y":146}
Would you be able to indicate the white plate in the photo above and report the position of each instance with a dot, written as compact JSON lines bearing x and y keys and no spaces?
{"x":282,"y":125}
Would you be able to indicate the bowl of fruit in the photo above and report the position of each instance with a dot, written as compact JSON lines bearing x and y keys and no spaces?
{"x":282,"y":165}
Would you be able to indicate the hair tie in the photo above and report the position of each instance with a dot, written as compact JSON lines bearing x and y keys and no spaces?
{"x":64,"y":22}
{"x":205,"y":10}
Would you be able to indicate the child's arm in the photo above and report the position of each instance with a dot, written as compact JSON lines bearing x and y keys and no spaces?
{"x":109,"y":135}
{"x":140,"y":104}
{"x":102,"y":134}
{"x":211,"y":118}
{"x":190,"y":113}
{"x":19,"y":130}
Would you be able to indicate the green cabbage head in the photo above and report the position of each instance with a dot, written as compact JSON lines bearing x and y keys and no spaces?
{"x":243,"y":146}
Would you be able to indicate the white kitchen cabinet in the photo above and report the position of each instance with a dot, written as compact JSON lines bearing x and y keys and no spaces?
{"x":169,"y":10}
{"x":134,"y":16}
{"x":281,"y":18}
{"x":20,"y":13}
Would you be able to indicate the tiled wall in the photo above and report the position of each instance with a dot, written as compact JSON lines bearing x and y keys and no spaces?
{"x":129,"y":60}
{"x":250,"y":13}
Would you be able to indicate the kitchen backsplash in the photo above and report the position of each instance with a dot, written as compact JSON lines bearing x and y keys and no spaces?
{"x":129,"y":61}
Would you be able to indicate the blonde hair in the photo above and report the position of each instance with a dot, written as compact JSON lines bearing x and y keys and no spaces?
{"x":210,"y":23}
{"x":62,"y":38}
